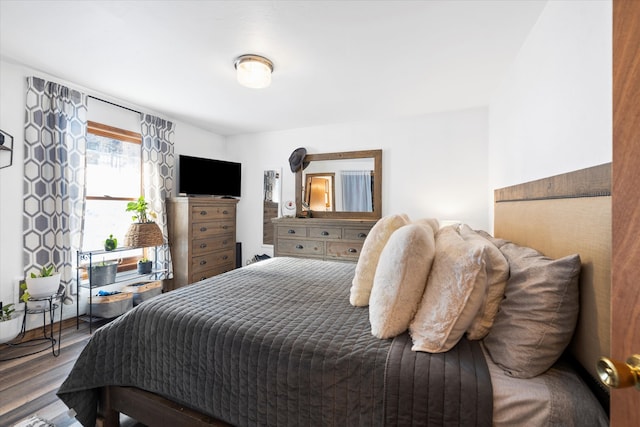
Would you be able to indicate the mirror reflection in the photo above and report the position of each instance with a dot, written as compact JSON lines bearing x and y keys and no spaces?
{"x":319,"y":192}
{"x":341,"y":185}
{"x":271,"y":203}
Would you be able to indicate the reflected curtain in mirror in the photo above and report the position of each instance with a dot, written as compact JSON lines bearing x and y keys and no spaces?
{"x":357,"y":191}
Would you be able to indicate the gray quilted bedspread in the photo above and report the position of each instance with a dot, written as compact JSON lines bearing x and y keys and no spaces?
{"x":273,"y":343}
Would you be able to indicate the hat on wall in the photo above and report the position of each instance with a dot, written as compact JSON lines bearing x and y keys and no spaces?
{"x":296,"y":159}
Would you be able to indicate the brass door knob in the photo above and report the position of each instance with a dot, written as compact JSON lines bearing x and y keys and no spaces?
{"x":616,"y":374}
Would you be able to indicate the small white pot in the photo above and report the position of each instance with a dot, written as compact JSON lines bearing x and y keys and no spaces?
{"x":9,"y":329}
{"x":39,"y":287}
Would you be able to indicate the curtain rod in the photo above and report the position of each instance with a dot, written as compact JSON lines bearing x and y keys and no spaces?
{"x":114,"y":104}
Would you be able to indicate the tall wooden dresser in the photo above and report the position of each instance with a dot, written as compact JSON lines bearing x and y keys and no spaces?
{"x":322,"y":238}
{"x":202,"y":238}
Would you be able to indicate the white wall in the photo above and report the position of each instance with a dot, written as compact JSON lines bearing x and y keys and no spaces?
{"x":188,"y":140}
{"x":433,"y":166}
{"x":552,"y":113}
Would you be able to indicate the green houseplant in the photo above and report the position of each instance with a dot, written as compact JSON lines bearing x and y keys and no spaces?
{"x":141,"y":209}
{"x":144,"y":266}
{"x":6,"y":312}
{"x":42,"y":283}
{"x":143,"y":232}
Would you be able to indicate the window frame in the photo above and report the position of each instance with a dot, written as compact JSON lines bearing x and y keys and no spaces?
{"x":100,"y":129}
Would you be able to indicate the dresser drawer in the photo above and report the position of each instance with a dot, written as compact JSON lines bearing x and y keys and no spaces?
{"x":200,"y":213}
{"x":301,"y":247}
{"x":344,"y":250}
{"x":201,"y":275}
{"x":356,"y":233}
{"x":211,"y":260}
{"x":213,"y":228}
{"x":202,"y":246}
{"x":325,"y":233}
{"x":292,"y":231}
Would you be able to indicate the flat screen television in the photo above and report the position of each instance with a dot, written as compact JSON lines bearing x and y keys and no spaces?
{"x":198,"y":176}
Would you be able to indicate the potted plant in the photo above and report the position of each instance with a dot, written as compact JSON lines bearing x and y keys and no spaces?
{"x":143,"y":232}
{"x":144,"y":266}
{"x":10,"y":322}
{"x":110,"y":243}
{"x":44,"y":283}
{"x":103,"y":272}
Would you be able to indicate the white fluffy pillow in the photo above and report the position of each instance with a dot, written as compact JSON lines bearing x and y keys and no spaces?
{"x":400,"y":279}
{"x":369,"y":256}
{"x":431,"y":222}
{"x":497,"y":276}
{"x":455,"y":292}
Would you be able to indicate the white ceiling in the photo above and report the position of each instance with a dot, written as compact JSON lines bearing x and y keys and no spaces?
{"x":335,"y":61}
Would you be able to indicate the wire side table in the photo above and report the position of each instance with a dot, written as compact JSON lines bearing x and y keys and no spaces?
{"x":49,"y":306}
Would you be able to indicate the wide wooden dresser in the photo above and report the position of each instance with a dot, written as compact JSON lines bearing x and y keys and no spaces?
{"x":202,"y":238}
{"x":322,"y":238}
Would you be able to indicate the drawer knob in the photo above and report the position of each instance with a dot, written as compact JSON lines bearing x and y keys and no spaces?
{"x":203,"y":262}
{"x":362,"y":235}
{"x":203,"y":245}
{"x":226,"y":257}
{"x":225,"y":212}
{"x":224,"y":242}
{"x":224,"y":227}
{"x":291,"y":231}
{"x":203,"y":277}
{"x":299,"y":247}
{"x":325,"y":233}
{"x":352,"y":251}
{"x":203,"y":212}
{"x":203,"y":229}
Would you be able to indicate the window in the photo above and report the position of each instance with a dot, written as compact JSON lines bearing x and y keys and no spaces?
{"x":113,"y":178}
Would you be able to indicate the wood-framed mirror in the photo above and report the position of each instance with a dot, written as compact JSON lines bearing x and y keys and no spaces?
{"x":272,"y":198}
{"x":353,"y":188}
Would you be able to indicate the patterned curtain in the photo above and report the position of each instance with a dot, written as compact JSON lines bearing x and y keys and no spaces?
{"x":158,"y":165}
{"x":356,"y":191}
{"x":54,"y":177}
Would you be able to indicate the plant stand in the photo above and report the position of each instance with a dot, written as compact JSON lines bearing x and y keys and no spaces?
{"x":86,"y":262}
{"x":51,"y":304}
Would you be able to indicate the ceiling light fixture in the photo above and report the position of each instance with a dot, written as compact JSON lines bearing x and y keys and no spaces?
{"x":253,"y":71}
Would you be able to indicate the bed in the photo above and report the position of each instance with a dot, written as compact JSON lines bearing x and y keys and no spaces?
{"x":277,"y":342}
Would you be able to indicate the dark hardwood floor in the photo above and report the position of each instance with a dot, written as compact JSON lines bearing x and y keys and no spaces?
{"x":28,"y":384}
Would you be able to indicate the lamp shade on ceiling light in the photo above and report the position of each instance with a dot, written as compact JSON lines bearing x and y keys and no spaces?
{"x":253,"y":71}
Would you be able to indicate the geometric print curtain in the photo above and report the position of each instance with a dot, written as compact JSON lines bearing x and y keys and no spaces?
{"x":54,"y":177}
{"x":158,"y":165}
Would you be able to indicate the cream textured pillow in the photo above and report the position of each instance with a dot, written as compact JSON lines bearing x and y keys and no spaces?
{"x":431,"y":222}
{"x":455,"y":291}
{"x":400,"y":279}
{"x":497,"y":275}
{"x":537,"y":317}
{"x":369,"y":256}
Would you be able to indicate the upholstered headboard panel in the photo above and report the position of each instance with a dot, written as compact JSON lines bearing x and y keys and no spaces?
{"x":562,"y":215}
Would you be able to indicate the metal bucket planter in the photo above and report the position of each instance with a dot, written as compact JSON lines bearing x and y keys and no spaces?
{"x":103,"y":273}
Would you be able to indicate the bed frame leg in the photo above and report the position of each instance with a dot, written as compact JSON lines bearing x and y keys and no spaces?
{"x":107,"y":416}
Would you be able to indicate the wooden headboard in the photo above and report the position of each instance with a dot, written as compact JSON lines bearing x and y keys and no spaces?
{"x":563,"y":215}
